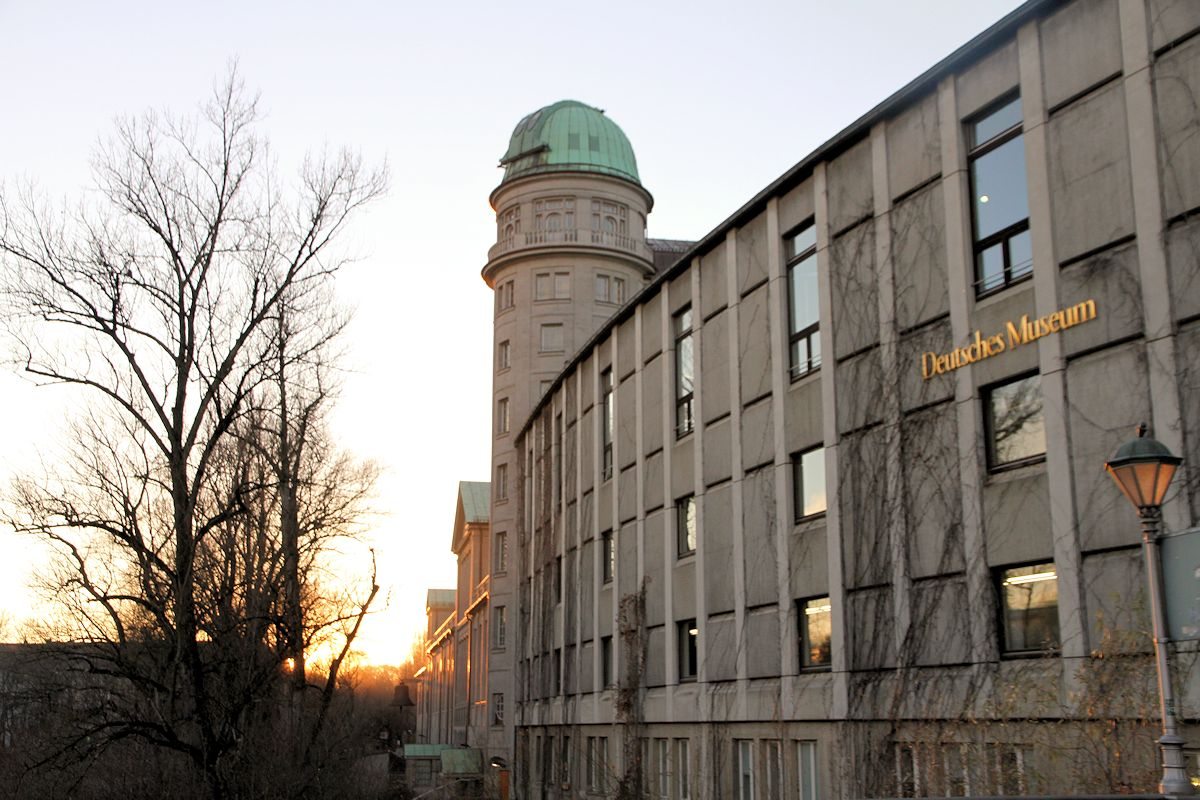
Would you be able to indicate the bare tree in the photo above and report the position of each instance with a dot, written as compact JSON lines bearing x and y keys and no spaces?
{"x":164,"y":296}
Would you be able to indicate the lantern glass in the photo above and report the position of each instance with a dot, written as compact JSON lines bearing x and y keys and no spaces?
{"x":1144,"y":482}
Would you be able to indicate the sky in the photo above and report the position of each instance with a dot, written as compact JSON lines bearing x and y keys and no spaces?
{"x":717,"y":101}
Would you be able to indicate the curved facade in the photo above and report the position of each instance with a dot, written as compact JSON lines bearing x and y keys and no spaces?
{"x":570,"y":249}
{"x":821,"y":512}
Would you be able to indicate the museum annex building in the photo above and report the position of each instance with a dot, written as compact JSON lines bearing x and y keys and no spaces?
{"x":815,"y":507}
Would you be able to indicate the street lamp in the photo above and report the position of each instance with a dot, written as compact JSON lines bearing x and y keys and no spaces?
{"x":1143,"y":468}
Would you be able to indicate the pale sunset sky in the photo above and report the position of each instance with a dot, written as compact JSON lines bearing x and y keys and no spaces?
{"x":717,"y":99}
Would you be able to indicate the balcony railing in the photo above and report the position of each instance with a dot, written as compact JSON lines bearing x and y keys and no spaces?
{"x":480,"y":589}
{"x":580,"y":236}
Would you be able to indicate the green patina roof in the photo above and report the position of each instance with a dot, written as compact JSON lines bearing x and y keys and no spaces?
{"x":570,"y":136}
{"x":476,"y":498}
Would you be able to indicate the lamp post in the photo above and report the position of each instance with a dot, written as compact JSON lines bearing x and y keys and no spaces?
{"x":1143,"y":468}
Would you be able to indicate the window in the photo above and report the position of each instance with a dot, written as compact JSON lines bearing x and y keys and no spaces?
{"x":685,"y":374}
{"x":610,"y":289}
{"x":687,"y":634}
{"x":606,"y":424}
{"x":554,"y":214}
{"x":908,"y":773}
{"x":502,"y":415}
{"x":743,"y":752}
{"x":501,"y":482}
{"x":558,"y":587}
{"x":683,"y":769}
{"x":499,"y":633}
{"x":501,"y":553}
{"x":806,"y":756}
{"x":606,"y":662}
{"x":497,"y":708}
{"x":556,"y":673}
{"x":509,"y":221}
{"x":999,"y":197}
{"x":816,"y":628}
{"x":804,"y":335}
{"x":685,"y":526}
{"x":503,"y":355}
{"x":662,"y":748}
{"x":547,"y":759}
{"x":597,"y":763}
{"x":556,"y":473}
{"x":551,"y":340}
{"x":608,"y":557}
{"x":808,"y":483}
{"x":552,"y":286}
{"x":1029,"y":608}
{"x":608,"y":218}
{"x":1016,"y":429}
{"x":564,"y":762}
{"x":774,"y":770}
{"x":504,"y":296}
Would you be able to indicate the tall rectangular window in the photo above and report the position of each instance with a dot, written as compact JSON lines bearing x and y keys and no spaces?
{"x":556,"y":673}
{"x":606,"y":424}
{"x":816,"y":629}
{"x":565,"y":773}
{"x":743,"y":770}
{"x":558,"y":587}
{"x":1029,"y":608}
{"x":663,"y":762}
{"x":683,"y":769}
{"x":999,"y":197}
{"x":606,"y":662}
{"x":687,"y":636}
{"x":500,"y":557}
{"x":551,"y":338}
{"x":610,"y":289}
{"x":774,"y":769}
{"x":497,"y":708}
{"x":685,"y":373}
{"x":503,"y":355}
{"x":502,"y":415}
{"x":804,"y":334}
{"x":552,"y":286}
{"x":504,"y":296}
{"x":1016,"y":429}
{"x":806,"y":757}
{"x":608,"y":557}
{"x":557,"y":472}
{"x":808,"y":483}
{"x":501,"y":482}
{"x":499,"y":626}
{"x":685,"y":526}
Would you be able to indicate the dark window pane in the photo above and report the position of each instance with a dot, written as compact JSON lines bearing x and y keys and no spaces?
{"x":1020,"y":254}
{"x":991,"y":267}
{"x":996,"y":122}
{"x":998,"y":181}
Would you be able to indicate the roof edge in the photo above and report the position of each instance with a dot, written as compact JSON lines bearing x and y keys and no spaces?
{"x":840,"y":142}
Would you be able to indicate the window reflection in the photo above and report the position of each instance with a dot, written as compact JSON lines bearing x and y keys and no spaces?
{"x":1016,"y":425}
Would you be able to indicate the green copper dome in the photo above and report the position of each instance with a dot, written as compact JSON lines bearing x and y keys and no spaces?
{"x":569,"y":136}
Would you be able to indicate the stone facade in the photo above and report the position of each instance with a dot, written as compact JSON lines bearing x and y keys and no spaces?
{"x":821,"y":512}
